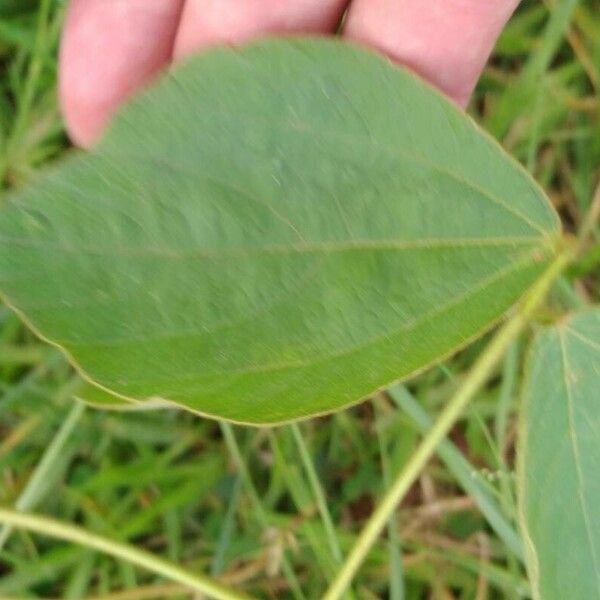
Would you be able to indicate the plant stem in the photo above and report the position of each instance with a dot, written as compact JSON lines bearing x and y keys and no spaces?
{"x":135,"y":556}
{"x":318,"y":493}
{"x":447,"y":419}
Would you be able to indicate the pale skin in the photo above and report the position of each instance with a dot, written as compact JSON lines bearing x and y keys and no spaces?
{"x":112,"y":48}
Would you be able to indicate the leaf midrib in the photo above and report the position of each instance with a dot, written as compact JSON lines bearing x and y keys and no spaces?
{"x":328,"y":246}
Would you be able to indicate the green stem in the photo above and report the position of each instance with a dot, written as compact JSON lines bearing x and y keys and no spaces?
{"x":135,"y":556}
{"x":447,"y":419}
{"x":318,"y":493}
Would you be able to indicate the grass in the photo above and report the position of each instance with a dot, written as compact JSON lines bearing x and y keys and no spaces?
{"x":269,"y":512}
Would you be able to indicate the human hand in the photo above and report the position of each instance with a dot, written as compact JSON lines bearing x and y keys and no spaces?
{"x":111,"y":48}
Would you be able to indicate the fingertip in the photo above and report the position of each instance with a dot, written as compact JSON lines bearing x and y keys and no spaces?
{"x":82,"y":117}
{"x":445,"y":41}
{"x":108,"y":51}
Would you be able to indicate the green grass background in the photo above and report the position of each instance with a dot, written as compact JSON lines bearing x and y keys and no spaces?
{"x":243,"y":504}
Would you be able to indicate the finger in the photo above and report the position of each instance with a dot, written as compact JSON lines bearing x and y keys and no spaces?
{"x":446,"y":41}
{"x":208,"y":22}
{"x":110,"y":49}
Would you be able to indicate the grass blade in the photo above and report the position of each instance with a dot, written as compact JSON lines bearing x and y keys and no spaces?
{"x":38,"y":484}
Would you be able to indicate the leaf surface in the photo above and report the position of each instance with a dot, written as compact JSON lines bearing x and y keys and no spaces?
{"x":560,"y":460}
{"x":273,"y":233}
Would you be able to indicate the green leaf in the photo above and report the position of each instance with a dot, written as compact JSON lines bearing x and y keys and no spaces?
{"x":274,"y":233}
{"x":559,"y":481}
